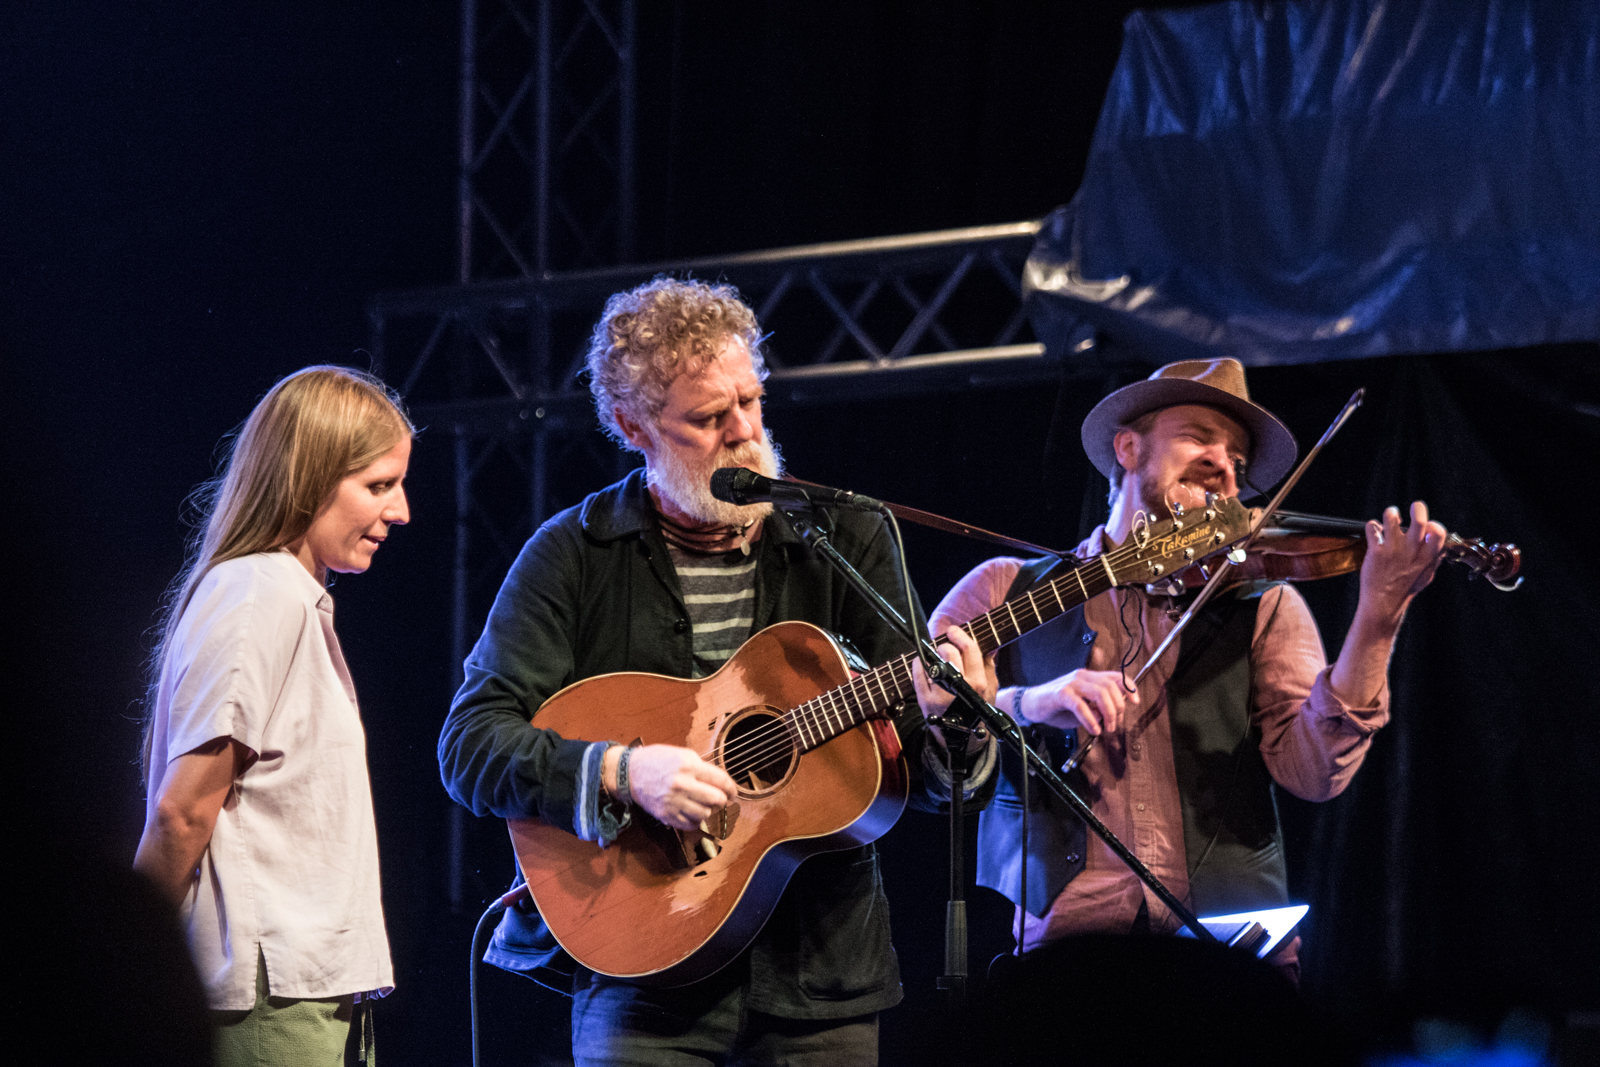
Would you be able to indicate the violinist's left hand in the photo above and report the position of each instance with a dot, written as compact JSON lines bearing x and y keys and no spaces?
{"x":1399,"y":564}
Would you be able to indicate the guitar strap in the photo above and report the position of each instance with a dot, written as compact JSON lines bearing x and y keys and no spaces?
{"x":977,"y":533}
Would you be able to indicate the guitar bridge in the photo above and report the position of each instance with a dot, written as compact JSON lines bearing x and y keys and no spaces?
{"x":683,"y":849}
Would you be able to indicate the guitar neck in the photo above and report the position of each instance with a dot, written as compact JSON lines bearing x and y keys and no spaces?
{"x":872,"y":694}
{"x":1083,"y":581}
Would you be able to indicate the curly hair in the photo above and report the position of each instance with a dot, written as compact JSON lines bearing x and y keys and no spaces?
{"x":649,"y":335}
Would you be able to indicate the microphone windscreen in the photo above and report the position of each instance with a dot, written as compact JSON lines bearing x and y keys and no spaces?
{"x":730,"y":484}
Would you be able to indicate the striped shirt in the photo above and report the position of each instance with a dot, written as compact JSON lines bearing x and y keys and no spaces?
{"x":720,"y":592}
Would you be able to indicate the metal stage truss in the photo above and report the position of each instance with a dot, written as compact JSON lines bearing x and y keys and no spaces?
{"x":547,"y":136}
{"x":496,"y":365}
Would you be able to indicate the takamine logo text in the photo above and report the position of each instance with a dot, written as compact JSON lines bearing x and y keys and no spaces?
{"x":1176,"y":542}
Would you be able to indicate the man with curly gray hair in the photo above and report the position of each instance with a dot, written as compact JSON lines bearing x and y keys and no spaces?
{"x":668,"y":331}
{"x":655,"y":575}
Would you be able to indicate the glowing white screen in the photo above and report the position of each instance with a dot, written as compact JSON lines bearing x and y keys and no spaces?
{"x":1278,"y":922}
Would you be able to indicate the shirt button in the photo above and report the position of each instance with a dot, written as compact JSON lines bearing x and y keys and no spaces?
{"x":1141,"y":807}
{"x":681,"y":626}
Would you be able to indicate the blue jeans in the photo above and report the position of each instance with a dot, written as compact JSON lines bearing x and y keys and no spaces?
{"x":705,"y":1024}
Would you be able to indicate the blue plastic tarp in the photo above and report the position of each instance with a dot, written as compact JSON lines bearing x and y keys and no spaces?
{"x":1290,"y":183}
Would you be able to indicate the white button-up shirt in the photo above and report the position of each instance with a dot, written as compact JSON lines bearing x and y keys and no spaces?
{"x":293,"y":861}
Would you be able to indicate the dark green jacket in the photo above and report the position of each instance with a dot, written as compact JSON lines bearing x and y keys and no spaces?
{"x":594,"y":591}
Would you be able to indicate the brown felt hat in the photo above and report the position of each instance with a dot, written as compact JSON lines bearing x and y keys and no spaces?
{"x":1217,"y":383}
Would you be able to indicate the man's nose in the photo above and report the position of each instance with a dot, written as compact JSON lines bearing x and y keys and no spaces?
{"x":740,"y":427}
{"x":1229,"y":470}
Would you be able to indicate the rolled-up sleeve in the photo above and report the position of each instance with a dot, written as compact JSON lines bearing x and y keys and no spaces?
{"x":1312,"y":741}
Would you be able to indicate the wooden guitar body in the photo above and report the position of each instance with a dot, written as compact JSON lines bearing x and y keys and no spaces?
{"x":662,"y":907}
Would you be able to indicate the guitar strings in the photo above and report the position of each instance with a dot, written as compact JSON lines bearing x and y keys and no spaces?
{"x":768,"y":743}
{"x":813,"y":718}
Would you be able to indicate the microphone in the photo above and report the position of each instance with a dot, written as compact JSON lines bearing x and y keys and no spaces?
{"x":740,"y":485}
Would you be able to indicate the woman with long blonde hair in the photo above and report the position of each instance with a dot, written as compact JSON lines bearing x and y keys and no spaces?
{"x":258,"y":822}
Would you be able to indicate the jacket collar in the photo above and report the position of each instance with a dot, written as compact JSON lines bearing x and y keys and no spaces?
{"x":619,"y":510}
{"x":624,"y":509}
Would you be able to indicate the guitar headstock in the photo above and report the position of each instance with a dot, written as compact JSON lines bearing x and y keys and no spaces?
{"x":1154,"y":553}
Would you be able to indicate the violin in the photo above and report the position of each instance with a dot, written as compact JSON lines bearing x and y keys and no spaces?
{"x":1297,"y":547}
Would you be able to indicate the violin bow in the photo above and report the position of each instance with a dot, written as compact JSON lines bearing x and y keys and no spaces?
{"x":1239,"y":551}
{"x":1235,"y":555}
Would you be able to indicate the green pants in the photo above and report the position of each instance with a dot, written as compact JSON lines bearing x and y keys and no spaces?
{"x":283,"y":1032}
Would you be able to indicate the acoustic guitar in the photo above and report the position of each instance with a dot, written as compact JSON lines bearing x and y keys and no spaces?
{"x":813,"y":752}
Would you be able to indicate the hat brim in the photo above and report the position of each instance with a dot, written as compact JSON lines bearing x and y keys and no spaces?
{"x":1272,"y":446}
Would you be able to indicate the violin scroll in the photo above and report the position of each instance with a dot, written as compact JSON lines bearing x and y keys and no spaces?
{"x":1496,"y":564}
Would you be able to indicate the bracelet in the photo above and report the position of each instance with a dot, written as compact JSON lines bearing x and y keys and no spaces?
{"x":1016,"y":705}
{"x":622,"y":776}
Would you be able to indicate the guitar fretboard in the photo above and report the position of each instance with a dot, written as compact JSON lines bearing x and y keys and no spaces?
{"x":825,"y":717}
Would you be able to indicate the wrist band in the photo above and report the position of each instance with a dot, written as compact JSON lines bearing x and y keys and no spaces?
{"x":622,"y":776}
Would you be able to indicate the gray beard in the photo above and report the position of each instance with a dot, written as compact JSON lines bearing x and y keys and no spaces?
{"x":688,"y":486}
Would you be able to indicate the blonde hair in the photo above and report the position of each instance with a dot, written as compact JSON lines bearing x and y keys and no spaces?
{"x":310,"y":431}
{"x":649,"y":335}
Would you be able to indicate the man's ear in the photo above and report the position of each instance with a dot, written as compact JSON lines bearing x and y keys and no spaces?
{"x":1126,"y":447}
{"x":631,"y":428}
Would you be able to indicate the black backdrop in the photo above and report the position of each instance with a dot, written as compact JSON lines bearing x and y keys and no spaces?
{"x":198,"y":200}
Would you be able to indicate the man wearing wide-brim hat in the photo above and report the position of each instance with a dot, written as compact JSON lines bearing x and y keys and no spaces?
{"x":1185,"y":762}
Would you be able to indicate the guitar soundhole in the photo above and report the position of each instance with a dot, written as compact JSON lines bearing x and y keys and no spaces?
{"x":757,"y":751}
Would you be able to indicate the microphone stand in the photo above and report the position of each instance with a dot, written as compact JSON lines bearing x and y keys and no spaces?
{"x":793,"y":514}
